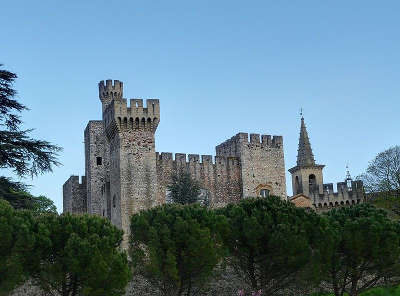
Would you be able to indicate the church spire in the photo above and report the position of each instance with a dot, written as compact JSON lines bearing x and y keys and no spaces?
{"x":305,"y":156}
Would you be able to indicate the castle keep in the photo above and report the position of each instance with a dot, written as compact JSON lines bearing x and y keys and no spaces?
{"x":125,"y":174}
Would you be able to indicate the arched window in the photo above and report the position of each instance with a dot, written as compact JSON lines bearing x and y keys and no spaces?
{"x":114,"y":202}
{"x":312,"y":183}
{"x":264,"y":192}
{"x":297,"y":185}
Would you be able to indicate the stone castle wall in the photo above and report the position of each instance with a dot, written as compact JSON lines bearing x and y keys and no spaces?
{"x":133,"y":176}
{"x":96,"y":167}
{"x":74,"y":195}
{"x":125,"y":174}
{"x":262,"y":162}
{"x":222,"y":178}
{"x":346,"y":194}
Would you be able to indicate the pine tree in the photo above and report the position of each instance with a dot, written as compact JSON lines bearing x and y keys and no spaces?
{"x":19,"y":152}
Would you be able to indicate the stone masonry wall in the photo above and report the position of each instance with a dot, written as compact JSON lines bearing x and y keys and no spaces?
{"x":133,"y":176}
{"x":74,"y":193}
{"x":96,"y":167}
{"x":262,"y":162}
{"x":221,"y":178}
{"x":347,"y":194}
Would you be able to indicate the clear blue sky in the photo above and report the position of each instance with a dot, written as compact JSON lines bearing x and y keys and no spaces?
{"x":218,"y":68}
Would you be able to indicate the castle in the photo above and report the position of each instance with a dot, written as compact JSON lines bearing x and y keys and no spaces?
{"x":124,"y":174}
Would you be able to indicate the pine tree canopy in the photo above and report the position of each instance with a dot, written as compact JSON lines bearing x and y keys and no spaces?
{"x":18,"y":151}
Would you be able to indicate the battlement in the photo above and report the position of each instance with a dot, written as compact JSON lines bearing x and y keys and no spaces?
{"x":342,"y":187}
{"x":232,"y":146}
{"x":266,"y":140}
{"x":76,"y":181}
{"x":74,"y":195}
{"x":346,"y":194}
{"x":119,"y":116}
{"x":110,"y":90}
{"x":184,"y":159}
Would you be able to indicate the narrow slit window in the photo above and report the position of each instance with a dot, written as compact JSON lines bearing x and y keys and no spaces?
{"x":99,"y":160}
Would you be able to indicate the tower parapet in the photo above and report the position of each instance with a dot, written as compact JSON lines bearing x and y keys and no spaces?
{"x":118,"y":116}
{"x":261,"y":163}
{"x":109,"y":91}
{"x":231,"y":147}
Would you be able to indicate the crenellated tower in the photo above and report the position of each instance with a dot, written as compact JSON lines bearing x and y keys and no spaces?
{"x":133,"y":175}
{"x":109,"y":91}
{"x":262,"y":163}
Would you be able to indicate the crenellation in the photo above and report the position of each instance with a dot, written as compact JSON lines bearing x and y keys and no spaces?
{"x":125,"y":174}
{"x":166,"y":156}
{"x":194,"y":158}
{"x":110,"y":89}
{"x":74,"y":192}
{"x":266,"y":140}
{"x":242,"y":137}
{"x":345,"y":195}
{"x":117,"y":116}
{"x":277,"y":141}
{"x":136,"y":103}
{"x":255,"y":138}
{"x":206,"y":158}
{"x":180,"y":158}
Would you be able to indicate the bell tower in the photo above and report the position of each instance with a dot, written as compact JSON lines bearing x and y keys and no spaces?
{"x":307,"y":176}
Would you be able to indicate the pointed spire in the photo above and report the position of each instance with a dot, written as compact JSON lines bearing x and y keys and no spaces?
{"x":305,"y":156}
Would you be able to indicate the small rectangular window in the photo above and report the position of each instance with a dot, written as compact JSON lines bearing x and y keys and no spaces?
{"x":99,"y":161}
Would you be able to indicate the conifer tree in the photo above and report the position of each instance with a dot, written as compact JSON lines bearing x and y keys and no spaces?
{"x":17,"y":245}
{"x":79,"y":255}
{"x":361,"y":250}
{"x":268,"y":242}
{"x":19,"y":152}
{"x":184,"y":189}
{"x":177,"y":247}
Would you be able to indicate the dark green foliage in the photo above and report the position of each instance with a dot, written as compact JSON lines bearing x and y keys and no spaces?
{"x":361,"y":251}
{"x":177,"y":247}
{"x":42,"y":204}
{"x":18,"y":151}
{"x":184,"y":189}
{"x":79,"y":255}
{"x":17,"y":195}
{"x":17,"y":243}
{"x":269,"y":242}
{"x":26,"y":156}
{"x":69,"y":255}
